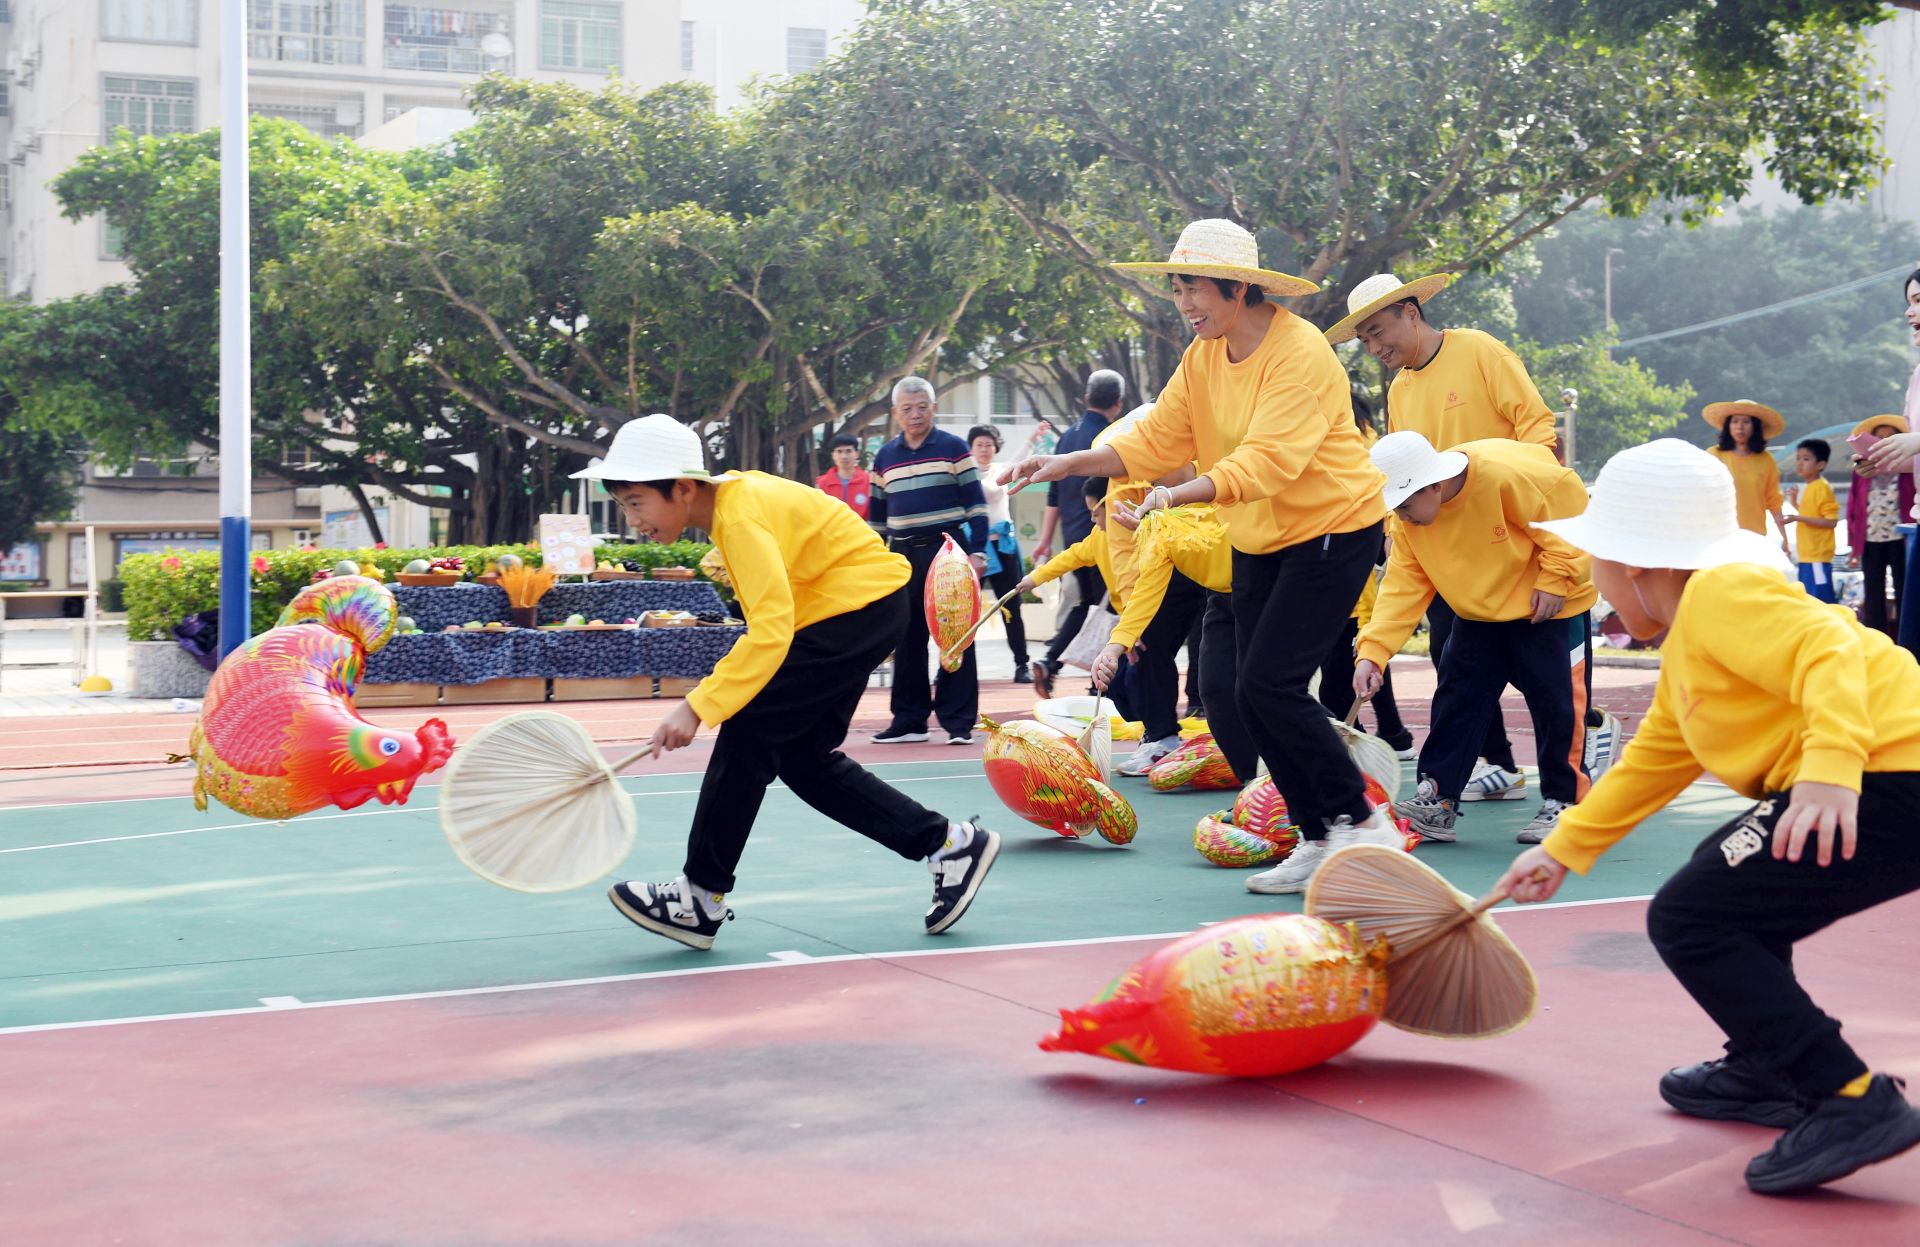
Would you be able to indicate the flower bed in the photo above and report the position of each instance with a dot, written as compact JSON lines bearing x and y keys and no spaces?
{"x":162,"y":589}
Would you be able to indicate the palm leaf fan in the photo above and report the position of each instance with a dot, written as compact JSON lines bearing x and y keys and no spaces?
{"x":529,"y":803}
{"x":1451,"y":970}
{"x":1374,"y":757}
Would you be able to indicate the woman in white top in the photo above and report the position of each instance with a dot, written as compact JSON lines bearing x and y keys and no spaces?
{"x":1896,"y":454}
{"x":1003,"y":548}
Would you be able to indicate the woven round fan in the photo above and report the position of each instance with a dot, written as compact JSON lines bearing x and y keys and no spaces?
{"x":1374,"y":757}
{"x":529,"y":803}
{"x":1451,"y":971}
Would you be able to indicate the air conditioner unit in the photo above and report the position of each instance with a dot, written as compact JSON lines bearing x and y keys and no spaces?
{"x":307,"y":497}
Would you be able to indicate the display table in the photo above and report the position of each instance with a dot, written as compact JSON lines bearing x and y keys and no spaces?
{"x":515,"y":664}
{"x":434,"y":609}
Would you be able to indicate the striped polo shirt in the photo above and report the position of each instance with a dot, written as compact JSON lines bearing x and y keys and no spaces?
{"x":925,"y":490}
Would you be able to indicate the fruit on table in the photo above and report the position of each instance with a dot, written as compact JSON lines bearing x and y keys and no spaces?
{"x":472,"y":624}
{"x":508,"y":560}
{"x":576,"y":620}
{"x":496,"y":624}
{"x":406,"y":624}
{"x":599,"y":623}
{"x":418,"y":567}
{"x":346,"y":567}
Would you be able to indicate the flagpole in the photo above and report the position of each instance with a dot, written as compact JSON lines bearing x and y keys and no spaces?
{"x":236,"y":371}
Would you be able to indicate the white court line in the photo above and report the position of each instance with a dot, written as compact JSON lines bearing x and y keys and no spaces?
{"x":790,"y":954}
{"x":282,"y":1002}
{"x":187,"y":770}
{"x":321,"y":818}
{"x":451,"y":993}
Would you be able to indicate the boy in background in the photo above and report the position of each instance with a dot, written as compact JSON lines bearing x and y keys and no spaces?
{"x":1817,"y":514}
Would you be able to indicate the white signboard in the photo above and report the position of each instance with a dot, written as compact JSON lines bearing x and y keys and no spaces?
{"x":566,"y":545}
{"x":22,"y":562}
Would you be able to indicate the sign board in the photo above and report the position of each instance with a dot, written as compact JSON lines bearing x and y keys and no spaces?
{"x":566,"y":545}
{"x":22,"y":562}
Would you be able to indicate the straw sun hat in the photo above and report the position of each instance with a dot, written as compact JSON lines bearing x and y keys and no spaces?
{"x":1871,"y":423}
{"x":1380,"y":291}
{"x":1216,"y":248}
{"x":652,"y":448}
{"x":1665,"y":504}
{"x":1772,"y":423}
{"x":1410,"y":464}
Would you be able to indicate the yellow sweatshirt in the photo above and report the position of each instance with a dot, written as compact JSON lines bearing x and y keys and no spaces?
{"x":1093,"y":550}
{"x":1756,"y":486}
{"x":1120,"y":541}
{"x":1761,"y":686}
{"x":1189,"y":540}
{"x":1816,"y":545}
{"x":1479,"y":555}
{"x":795,"y":556}
{"x":1274,"y":433}
{"x":1473,"y":389}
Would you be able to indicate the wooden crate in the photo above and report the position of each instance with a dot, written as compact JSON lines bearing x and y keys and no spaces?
{"x":676,"y":686}
{"x":527,"y":688}
{"x":397,"y":695}
{"x":603,"y":690}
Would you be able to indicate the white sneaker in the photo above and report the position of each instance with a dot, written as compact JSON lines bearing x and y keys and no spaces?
{"x":1494,"y":783}
{"x":1146,"y":753}
{"x":1378,"y":829}
{"x":1543,"y":823}
{"x":1409,"y":754}
{"x":1603,"y":743}
{"x":1293,"y":874}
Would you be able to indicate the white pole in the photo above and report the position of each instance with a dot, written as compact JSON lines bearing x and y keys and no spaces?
{"x":236,"y":365}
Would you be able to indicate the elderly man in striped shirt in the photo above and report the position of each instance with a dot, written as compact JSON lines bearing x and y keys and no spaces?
{"x":925,"y":486}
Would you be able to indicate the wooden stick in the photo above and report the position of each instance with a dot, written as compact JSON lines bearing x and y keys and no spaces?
{"x":1460,"y":919}
{"x":645,"y":751}
{"x":948,"y":655}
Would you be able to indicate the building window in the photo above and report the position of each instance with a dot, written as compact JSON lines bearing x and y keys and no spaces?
{"x":580,"y":34}
{"x":149,"y":105}
{"x":6,"y":189}
{"x":686,"y":47}
{"x":444,"y":41}
{"x":6,"y":11}
{"x":1001,"y":397}
{"x":313,"y":32}
{"x":149,"y":21}
{"x":323,"y":117}
{"x":6,"y":94}
{"x":806,"y":47}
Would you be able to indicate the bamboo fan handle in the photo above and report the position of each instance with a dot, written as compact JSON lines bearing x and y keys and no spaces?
{"x":947,"y":656}
{"x":1353,"y":712}
{"x":1460,"y":919}
{"x":644,"y":751}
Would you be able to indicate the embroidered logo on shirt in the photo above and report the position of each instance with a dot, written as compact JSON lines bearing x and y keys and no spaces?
{"x":1499,"y":533}
{"x":1453,"y":399}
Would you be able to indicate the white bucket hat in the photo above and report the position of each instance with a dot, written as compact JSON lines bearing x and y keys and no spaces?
{"x":1380,"y":291}
{"x":1665,"y":504}
{"x":1411,"y":464}
{"x":1218,"y":248}
{"x":652,"y":448}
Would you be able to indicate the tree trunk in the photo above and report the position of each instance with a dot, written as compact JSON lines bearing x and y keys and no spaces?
{"x":359,"y":493}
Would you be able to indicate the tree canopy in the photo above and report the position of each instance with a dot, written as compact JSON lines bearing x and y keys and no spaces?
{"x":1723,"y":38}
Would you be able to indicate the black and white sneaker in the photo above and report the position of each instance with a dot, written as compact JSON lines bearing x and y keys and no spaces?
{"x":669,"y":909}
{"x":896,"y":735}
{"x":959,"y":738}
{"x":957,"y":875}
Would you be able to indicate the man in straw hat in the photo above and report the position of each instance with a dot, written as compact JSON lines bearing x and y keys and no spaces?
{"x":1451,"y":386}
{"x":826,"y":600}
{"x":1261,"y":407}
{"x":1522,"y":597}
{"x":1797,"y":706}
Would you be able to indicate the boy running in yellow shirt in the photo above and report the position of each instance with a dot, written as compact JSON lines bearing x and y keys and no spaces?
{"x":1817,"y":512}
{"x":1522,"y":598}
{"x":825,"y":602}
{"x":1793,"y":704}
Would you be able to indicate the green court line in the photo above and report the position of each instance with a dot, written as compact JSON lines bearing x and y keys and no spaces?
{"x":377,"y":906}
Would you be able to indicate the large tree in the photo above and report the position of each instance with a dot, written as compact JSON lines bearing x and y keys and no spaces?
{"x":1354,"y":135}
{"x":1724,"y":38}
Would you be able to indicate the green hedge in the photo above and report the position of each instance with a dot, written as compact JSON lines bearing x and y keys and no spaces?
{"x":162,"y":589}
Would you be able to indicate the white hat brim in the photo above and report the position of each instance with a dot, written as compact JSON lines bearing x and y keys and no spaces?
{"x":630,"y":471}
{"x":1590,"y":533}
{"x":1280,"y":285}
{"x":1420,"y":289}
{"x":1445,"y":466}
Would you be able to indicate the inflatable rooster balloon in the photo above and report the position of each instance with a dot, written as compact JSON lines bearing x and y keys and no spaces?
{"x":952,"y":601}
{"x":278,"y":734}
{"x":1197,"y":763}
{"x":1253,"y":997}
{"x":1047,"y":779}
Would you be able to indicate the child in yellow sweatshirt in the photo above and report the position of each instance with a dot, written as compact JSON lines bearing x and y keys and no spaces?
{"x":1522,"y":601}
{"x":825,"y":602}
{"x":1793,"y":704}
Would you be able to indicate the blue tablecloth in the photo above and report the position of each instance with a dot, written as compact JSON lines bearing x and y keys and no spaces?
{"x":473,"y":657}
{"x":615,"y":601}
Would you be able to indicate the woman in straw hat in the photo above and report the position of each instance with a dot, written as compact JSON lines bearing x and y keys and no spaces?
{"x":827,"y":601}
{"x":1896,"y":454}
{"x":1261,"y":407}
{"x":1877,"y":504}
{"x":1797,"y":706}
{"x":1745,"y":426}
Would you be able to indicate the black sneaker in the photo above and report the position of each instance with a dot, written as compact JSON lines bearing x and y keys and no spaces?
{"x":667,"y":909}
{"x":1839,"y":1135}
{"x":895,"y":735}
{"x":1732,"y":1088}
{"x":958,"y":876}
{"x":959,"y":738}
{"x":1022,"y":674}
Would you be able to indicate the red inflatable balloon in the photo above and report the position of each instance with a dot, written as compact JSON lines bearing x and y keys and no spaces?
{"x":1197,"y":763}
{"x":1047,"y":779}
{"x":1250,"y":998}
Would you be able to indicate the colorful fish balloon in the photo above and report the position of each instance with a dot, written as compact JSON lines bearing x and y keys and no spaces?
{"x":1218,"y":839}
{"x":952,"y":600}
{"x":1258,"y":829}
{"x":278,"y":734}
{"x":1198,"y":763}
{"x":1248,"y":998}
{"x":1047,"y":779}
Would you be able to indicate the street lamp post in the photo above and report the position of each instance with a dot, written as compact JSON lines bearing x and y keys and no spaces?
{"x":1606,"y":296}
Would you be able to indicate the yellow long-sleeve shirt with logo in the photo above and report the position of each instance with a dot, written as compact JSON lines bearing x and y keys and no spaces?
{"x":1761,"y":686}
{"x":1274,"y":432}
{"x":795,"y":556}
{"x":1093,"y":550}
{"x":1201,"y":554}
{"x":1473,"y":389}
{"x":1479,"y":555}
